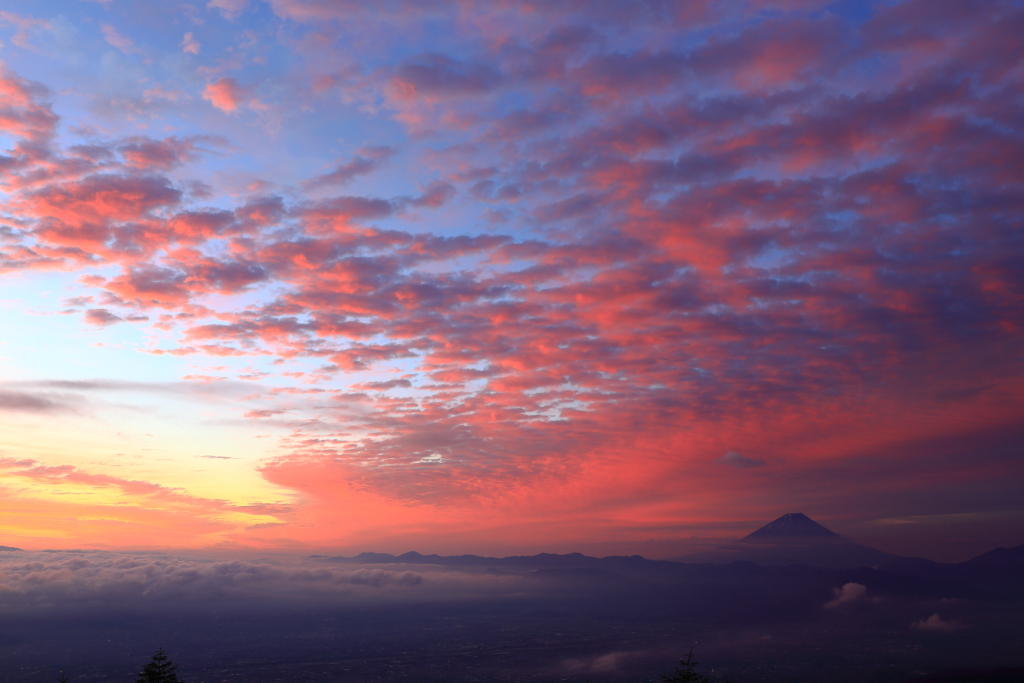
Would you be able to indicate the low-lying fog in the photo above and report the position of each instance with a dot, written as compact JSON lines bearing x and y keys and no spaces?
{"x":98,"y":616}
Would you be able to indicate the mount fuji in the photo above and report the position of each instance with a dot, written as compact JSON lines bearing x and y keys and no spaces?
{"x":794,"y":538}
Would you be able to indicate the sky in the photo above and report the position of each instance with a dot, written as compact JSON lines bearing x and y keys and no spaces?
{"x":512,"y":276}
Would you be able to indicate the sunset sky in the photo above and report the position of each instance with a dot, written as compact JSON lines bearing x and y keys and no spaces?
{"x":510,"y":276}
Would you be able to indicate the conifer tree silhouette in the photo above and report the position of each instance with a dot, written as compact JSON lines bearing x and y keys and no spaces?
{"x":159,"y":670}
{"x":686,"y":672}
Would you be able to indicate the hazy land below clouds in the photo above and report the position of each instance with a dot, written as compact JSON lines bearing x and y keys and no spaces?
{"x":98,"y":616}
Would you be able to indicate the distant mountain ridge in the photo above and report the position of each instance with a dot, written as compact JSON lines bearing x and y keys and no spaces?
{"x":540,"y":561}
{"x":1000,"y":570}
{"x":5,"y":548}
{"x":792,"y":539}
{"x":997,"y":574}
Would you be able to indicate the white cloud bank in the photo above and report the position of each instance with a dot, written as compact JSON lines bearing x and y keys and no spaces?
{"x":848,"y":593}
{"x":69,"y":579}
{"x":937,"y":624}
{"x":97,"y":580}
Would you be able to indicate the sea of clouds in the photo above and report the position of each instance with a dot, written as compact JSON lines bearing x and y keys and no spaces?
{"x":91,"y":579}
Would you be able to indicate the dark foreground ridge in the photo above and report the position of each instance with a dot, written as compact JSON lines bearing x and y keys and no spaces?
{"x":1003,"y":674}
{"x":160,"y":669}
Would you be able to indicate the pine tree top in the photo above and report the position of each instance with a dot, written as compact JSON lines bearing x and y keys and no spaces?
{"x":686,"y":672}
{"x":159,"y":670}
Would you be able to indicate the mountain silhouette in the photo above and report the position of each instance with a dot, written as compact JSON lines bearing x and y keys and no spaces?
{"x":7,"y":547}
{"x":993,"y":575}
{"x":790,"y":525}
{"x":794,"y":538}
{"x":997,"y":572}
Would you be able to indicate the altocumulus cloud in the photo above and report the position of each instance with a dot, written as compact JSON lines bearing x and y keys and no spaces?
{"x":761,"y":235}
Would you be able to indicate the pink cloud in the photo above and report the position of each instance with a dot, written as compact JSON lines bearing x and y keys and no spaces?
{"x":23,"y":111}
{"x":229,"y":9}
{"x":190,"y":44}
{"x":227,"y":95}
{"x":146,"y":153}
{"x":751,"y":247}
{"x":25,"y":25}
{"x":121,"y":42}
{"x":438,"y":75}
{"x":366,"y":161}
{"x":102,"y":317}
